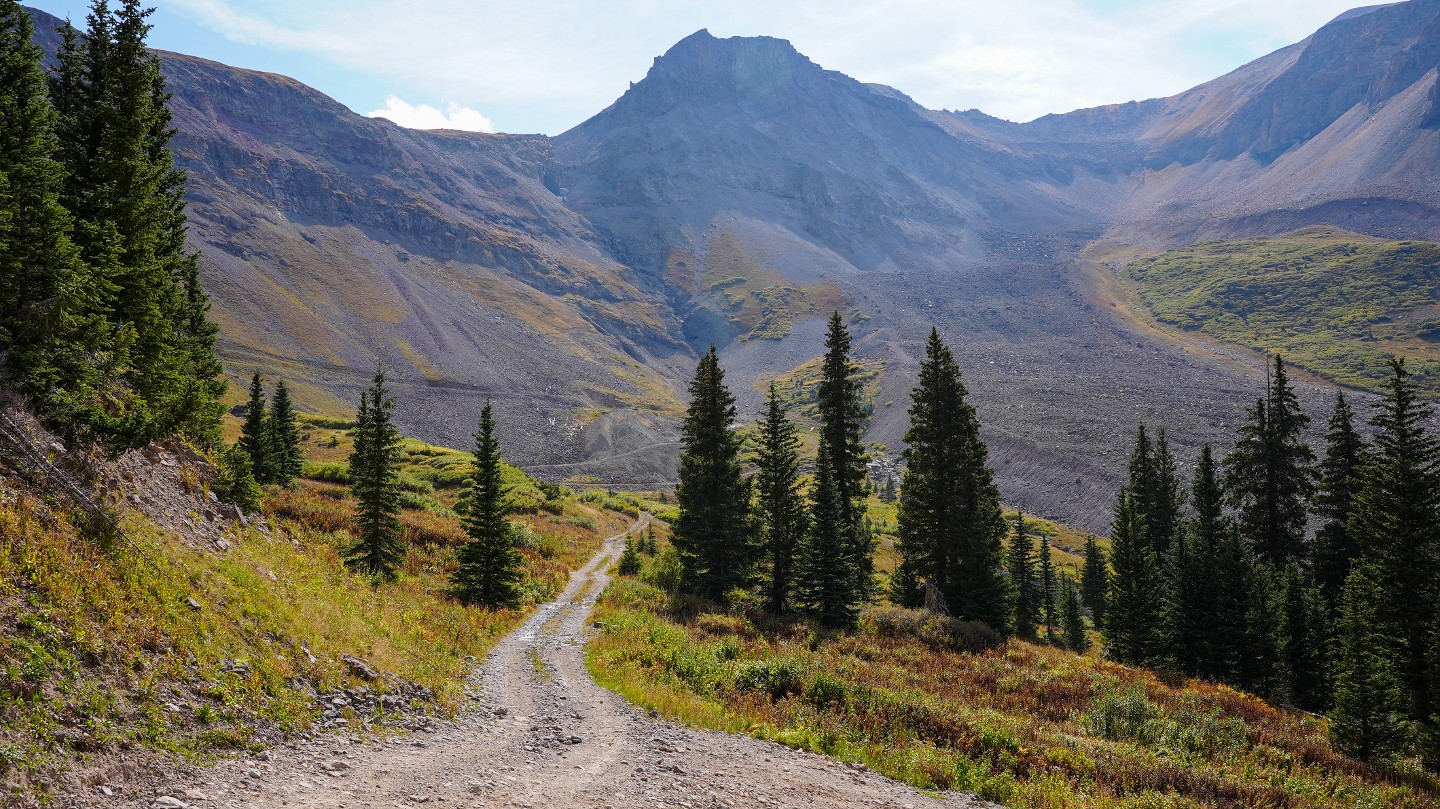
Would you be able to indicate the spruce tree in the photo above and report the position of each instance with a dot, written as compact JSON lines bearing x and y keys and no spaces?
{"x":1340,"y":479}
{"x":713,"y":534}
{"x":951,"y":527}
{"x":56,"y":348}
{"x":827,"y":585}
{"x":1269,"y":476}
{"x":1020,"y":564}
{"x":1303,"y":642}
{"x":1396,"y":524}
{"x":128,"y":202}
{"x":1131,"y":626}
{"x":842,"y":419}
{"x":1048,"y":585}
{"x":1071,"y":618}
{"x":489,"y":571}
{"x":254,"y":437}
{"x":1166,"y":500}
{"x":1095,"y":580}
{"x":780,"y":507}
{"x":1194,"y":622}
{"x":1368,"y":720}
{"x":282,"y":438}
{"x":378,"y":549}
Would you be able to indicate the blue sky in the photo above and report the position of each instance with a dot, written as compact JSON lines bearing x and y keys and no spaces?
{"x":546,"y":65}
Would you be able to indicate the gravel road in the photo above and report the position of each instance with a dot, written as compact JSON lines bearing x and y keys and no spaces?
{"x":540,"y":733}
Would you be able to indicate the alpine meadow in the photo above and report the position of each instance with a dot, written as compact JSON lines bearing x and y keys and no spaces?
{"x":765,"y":439}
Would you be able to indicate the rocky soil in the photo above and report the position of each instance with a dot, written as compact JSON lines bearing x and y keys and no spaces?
{"x":539,"y":733}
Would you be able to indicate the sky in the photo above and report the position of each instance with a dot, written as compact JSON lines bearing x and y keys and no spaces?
{"x":546,"y":65}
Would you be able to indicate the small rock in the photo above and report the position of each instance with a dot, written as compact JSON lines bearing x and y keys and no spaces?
{"x":420,"y":798}
{"x":360,"y":668}
{"x":106,"y":791}
{"x":502,"y":711}
{"x":167,"y":802}
{"x":193,"y":604}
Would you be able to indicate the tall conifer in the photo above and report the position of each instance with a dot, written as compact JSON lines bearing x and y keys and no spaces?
{"x":1132,"y":631}
{"x":378,"y":549}
{"x":1269,"y":476}
{"x":282,"y":438}
{"x":1048,"y":588}
{"x":1340,"y":478}
{"x":1020,"y":564}
{"x":1071,"y":619}
{"x":254,"y":437}
{"x":1368,"y":720}
{"x":828,"y":587}
{"x":780,"y":507}
{"x":842,"y":420}
{"x":1095,"y":580}
{"x":489,"y":571}
{"x":951,"y":527}
{"x":713,"y":533}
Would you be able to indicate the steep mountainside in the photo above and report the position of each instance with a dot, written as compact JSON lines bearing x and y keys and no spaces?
{"x":737,"y":193}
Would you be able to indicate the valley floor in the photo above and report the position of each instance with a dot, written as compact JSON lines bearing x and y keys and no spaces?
{"x":539,"y":732}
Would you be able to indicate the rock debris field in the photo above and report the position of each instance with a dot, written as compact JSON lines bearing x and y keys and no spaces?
{"x":539,"y":733}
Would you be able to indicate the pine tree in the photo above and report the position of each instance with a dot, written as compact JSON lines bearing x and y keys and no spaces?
{"x":1095,"y":580}
{"x":489,"y":571}
{"x":1340,"y":478}
{"x":779,"y":505}
{"x":1166,"y":500}
{"x":629,"y":564}
{"x":50,"y":335}
{"x":254,"y":437}
{"x":1193,"y":627}
{"x":1368,"y":720}
{"x":1072,"y":620}
{"x":842,"y":419}
{"x":1020,"y":564}
{"x":827,"y":585}
{"x":951,"y":527}
{"x":128,"y":202}
{"x":1302,"y":642}
{"x":1396,"y":524}
{"x":713,"y":533}
{"x":1269,"y":476}
{"x":1048,"y":585}
{"x":1136,"y":593}
{"x":282,"y":438}
{"x":378,"y":549}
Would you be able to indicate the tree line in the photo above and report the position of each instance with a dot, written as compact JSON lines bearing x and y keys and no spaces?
{"x":1224,"y":580}
{"x":103,"y":321}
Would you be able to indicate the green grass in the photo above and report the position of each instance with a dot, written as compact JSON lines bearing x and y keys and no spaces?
{"x":1023,"y":724}
{"x":1333,"y":302}
{"x":761,"y":302}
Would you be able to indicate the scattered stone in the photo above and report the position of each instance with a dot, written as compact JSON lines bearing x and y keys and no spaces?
{"x":168,"y":802}
{"x":502,"y":711}
{"x":193,"y":604}
{"x":360,"y":668}
{"x":106,"y":791}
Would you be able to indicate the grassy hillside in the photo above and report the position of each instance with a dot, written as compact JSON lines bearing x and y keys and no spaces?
{"x":1331,"y":301}
{"x":158,"y":641}
{"x":923,"y":700}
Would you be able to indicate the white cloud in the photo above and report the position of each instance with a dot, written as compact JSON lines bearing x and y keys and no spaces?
{"x":563,"y":60}
{"x":424,"y":116}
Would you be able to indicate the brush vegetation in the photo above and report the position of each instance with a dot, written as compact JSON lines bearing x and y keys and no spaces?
{"x":1333,"y":302}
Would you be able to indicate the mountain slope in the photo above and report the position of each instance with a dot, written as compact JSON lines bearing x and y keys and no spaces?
{"x":737,"y":193}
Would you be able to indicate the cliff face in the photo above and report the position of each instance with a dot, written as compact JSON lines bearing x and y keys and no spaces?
{"x":738,"y":190}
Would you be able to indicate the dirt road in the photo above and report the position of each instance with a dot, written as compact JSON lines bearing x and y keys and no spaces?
{"x":542,"y":734}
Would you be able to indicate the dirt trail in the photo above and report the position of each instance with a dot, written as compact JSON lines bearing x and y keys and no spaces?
{"x":543,"y":734}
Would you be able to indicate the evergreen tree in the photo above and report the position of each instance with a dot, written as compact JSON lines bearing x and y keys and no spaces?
{"x":1340,"y":478}
{"x":1368,"y":720}
{"x":254,"y":437}
{"x":1192,"y":619}
{"x":282,"y":438}
{"x":489,"y":571}
{"x":1020,"y":564}
{"x":887,"y":494}
{"x":55,"y":348}
{"x":1095,"y":580}
{"x":842,"y":419}
{"x":1072,"y":620}
{"x":713,"y":533}
{"x":236,"y":483}
{"x":378,"y":549}
{"x":1269,"y":476}
{"x":128,"y":202}
{"x":1303,"y":641}
{"x":629,"y":564}
{"x":1166,"y":500}
{"x":1396,"y":524}
{"x":1136,"y":589}
{"x":951,"y":527}
{"x":827,"y":585}
{"x":1048,"y":585}
{"x":779,"y":505}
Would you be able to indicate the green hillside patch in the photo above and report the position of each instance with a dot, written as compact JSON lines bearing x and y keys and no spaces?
{"x":764,"y":304}
{"x":1334,"y":302}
